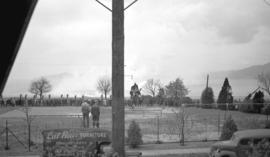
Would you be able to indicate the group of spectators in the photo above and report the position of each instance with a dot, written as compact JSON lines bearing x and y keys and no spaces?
{"x":95,"y":113}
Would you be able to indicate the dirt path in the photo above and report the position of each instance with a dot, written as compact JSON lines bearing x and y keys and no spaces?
{"x":160,"y":152}
{"x":174,"y":151}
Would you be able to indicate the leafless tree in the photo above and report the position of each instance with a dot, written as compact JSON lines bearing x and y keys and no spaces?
{"x":264,"y":81}
{"x":40,"y":86}
{"x":29,"y":119}
{"x":104,"y":86}
{"x":152,"y":86}
{"x":183,"y":123}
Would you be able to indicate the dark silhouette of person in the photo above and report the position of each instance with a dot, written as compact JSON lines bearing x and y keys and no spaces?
{"x":95,"y":111}
{"x":85,"y":112}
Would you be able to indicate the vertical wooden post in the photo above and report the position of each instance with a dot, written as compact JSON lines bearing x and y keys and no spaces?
{"x":118,"y":117}
{"x":7,"y":147}
{"x":158,"y":141}
{"x":218,"y":124}
{"x":29,"y":137}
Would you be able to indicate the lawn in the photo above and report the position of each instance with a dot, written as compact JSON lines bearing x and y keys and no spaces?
{"x":156,"y":123}
{"x":7,"y":109}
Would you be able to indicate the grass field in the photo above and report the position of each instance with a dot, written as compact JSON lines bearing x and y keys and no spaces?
{"x":202,"y":124}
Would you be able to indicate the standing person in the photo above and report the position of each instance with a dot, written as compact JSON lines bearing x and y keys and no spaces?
{"x":85,"y":112}
{"x":95,"y":111}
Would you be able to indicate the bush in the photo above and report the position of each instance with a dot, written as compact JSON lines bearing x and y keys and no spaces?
{"x":262,"y":149}
{"x":258,"y":101}
{"x":207,"y":96}
{"x":134,"y":138}
{"x":267,"y":125}
{"x":266,"y":110}
{"x":246,"y":107}
{"x":229,"y":127}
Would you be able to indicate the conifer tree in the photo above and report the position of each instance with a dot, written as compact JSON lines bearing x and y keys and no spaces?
{"x":134,"y":138}
{"x":258,"y":101}
{"x":225,"y":95}
{"x":207,"y":96}
{"x":229,"y":127}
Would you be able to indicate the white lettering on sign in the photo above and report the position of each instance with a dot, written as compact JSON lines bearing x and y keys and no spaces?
{"x":70,"y":135}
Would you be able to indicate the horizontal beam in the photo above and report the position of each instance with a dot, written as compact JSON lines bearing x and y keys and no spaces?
{"x":130,"y":4}
{"x":104,"y":6}
{"x":111,"y":9}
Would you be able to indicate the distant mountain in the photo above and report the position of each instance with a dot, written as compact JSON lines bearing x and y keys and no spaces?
{"x":243,"y":81}
{"x":246,"y":73}
{"x":15,"y":87}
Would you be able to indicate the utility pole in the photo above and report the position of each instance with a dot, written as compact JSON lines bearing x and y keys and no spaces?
{"x":207,"y":81}
{"x":118,"y":106}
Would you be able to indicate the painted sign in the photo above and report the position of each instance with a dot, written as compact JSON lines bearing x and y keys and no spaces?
{"x":80,"y":142}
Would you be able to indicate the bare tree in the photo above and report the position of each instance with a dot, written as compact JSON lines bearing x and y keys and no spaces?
{"x":183,"y":123}
{"x":40,"y":86}
{"x":104,"y":86}
{"x":29,"y":119}
{"x":152,"y":86}
{"x":264,"y":81}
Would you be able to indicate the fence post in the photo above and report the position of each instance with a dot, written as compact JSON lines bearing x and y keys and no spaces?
{"x":29,"y":137}
{"x":61,"y":97}
{"x":67,"y":100}
{"x":206,"y":129}
{"x":158,"y":141}
{"x":75,"y":101}
{"x":6,"y":147}
{"x":218,"y":124}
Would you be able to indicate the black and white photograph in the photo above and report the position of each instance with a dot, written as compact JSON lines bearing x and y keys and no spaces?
{"x":135,"y":78}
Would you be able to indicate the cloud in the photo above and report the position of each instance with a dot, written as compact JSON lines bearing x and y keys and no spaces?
{"x":164,"y":39}
{"x":237,"y":21}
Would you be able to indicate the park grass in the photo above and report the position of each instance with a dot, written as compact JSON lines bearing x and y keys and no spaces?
{"x":205,"y":120}
{"x":7,"y":109}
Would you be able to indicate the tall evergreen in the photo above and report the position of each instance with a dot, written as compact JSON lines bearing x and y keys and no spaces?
{"x":225,"y":95}
{"x":207,"y":96}
{"x":258,"y":101}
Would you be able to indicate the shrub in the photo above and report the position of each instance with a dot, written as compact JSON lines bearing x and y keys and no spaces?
{"x":258,"y":101}
{"x":267,"y":125}
{"x":229,"y":127}
{"x":134,"y":138}
{"x":246,"y":107}
{"x":207,"y":96}
{"x":266,"y":111}
{"x":262,"y":149}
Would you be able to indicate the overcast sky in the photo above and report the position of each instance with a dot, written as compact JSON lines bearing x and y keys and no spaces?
{"x":165,"y":39}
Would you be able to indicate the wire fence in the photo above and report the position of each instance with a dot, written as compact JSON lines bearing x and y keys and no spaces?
{"x":158,"y":124}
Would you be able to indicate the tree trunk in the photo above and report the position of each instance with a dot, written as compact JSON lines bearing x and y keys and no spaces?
{"x":29,"y":136}
{"x":105,"y":94}
{"x":182,"y":132}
